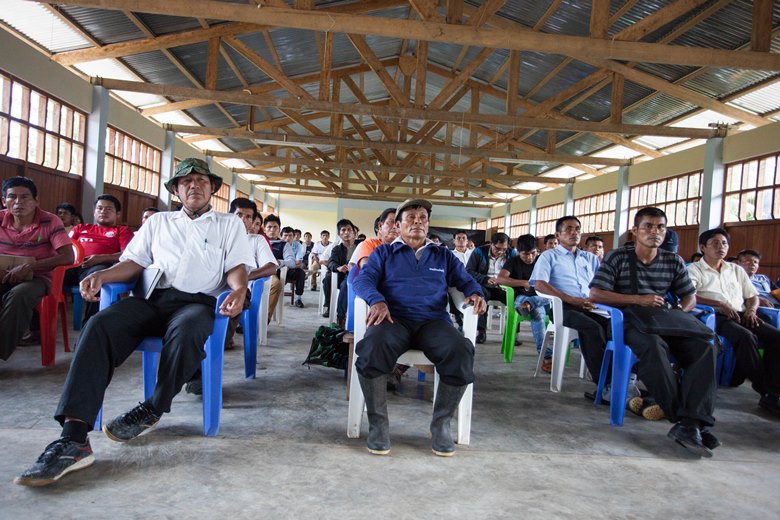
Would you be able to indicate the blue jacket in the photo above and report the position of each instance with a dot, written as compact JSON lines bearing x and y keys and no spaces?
{"x":412,"y":289}
{"x":479,"y":262}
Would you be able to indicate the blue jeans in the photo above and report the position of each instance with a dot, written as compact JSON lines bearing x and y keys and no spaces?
{"x":538,"y":313}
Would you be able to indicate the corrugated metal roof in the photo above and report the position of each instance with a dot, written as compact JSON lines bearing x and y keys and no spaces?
{"x":105,"y":26}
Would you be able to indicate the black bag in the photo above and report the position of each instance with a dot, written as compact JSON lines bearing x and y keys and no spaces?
{"x":328,"y":348}
{"x":664,"y":321}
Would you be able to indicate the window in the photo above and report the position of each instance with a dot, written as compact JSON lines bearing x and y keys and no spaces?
{"x":481,"y":225}
{"x":219,"y":201}
{"x":131,"y":163}
{"x":241,"y":195}
{"x":752,"y":191}
{"x":678,"y":197}
{"x":597,"y":213}
{"x":40,"y":129}
{"x":271,"y":209}
{"x":498,"y":223}
{"x":545,"y":219}
{"x":519,"y":224}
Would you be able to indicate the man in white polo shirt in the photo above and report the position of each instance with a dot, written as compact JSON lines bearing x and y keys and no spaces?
{"x":200,"y":253}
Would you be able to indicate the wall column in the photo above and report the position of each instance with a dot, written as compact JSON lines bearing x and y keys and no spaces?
{"x":252,"y":192}
{"x":95,"y":162}
{"x":568,"y":200}
{"x":507,"y":220}
{"x":166,"y":169}
{"x":532,"y":216}
{"x":232,"y":191}
{"x":621,"y":206}
{"x":712,"y":182}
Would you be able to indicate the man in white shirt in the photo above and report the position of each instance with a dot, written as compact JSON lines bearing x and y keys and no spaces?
{"x":727,"y":288}
{"x":314,"y":257}
{"x":461,"y":251}
{"x":200,"y":253}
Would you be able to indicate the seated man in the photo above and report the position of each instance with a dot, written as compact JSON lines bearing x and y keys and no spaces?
{"x":516,"y":273}
{"x":688,"y":405}
{"x":148,"y":212}
{"x":283,"y":253}
{"x":565,"y":272}
{"x":550,"y":241}
{"x":484,"y":265}
{"x":39,"y":240}
{"x":298,"y":275}
{"x":314,"y":258}
{"x":66,"y":211}
{"x":750,"y":260}
{"x":386,"y":232}
{"x":727,"y":288}
{"x":338,"y":261}
{"x":595,"y":244}
{"x":200,"y":252}
{"x":405,"y":285}
{"x":461,"y":250}
{"x":102,"y":241}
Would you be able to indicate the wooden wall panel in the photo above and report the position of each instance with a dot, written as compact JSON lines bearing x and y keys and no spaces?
{"x":764,"y":237}
{"x":53,"y":186}
{"x":133,"y":204}
{"x":689,"y":238}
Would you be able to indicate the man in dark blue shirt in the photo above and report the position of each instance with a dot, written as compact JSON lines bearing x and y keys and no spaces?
{"x":405,"y":284}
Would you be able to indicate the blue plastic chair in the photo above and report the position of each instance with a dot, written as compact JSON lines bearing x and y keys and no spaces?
{"x":727,"y":361}
{"x":249,"y":319}
{"x":350,"y":324}
{"x":211,"y":366}
{"x":78,"y":305}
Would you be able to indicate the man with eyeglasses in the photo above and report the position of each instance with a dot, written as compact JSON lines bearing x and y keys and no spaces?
{"x":32,"y":243}
{"x":484,"y":265}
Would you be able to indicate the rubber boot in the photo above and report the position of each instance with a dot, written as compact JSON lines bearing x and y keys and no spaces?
{"x":375,"y":393}
{"x":447,"y":401}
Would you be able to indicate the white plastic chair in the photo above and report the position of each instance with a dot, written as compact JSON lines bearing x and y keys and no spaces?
{"x":263,"y":314}
{"x":562,"y":338}
{"x":334,"y":297}
{"x":323,"y":274}
{"x":410,"y":357}
{"x":492,"y":306}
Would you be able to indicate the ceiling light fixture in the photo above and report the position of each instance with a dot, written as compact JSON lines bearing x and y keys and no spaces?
{"x":510,"y":160}
{"x":279,"y":142}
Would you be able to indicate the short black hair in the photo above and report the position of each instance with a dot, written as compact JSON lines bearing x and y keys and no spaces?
{"x":273,"y":218}
{"x":707,"y":235}
{"x":152,"y":209}
{"x":382,"y":218}
{"x":20,"y":182}
{"x":594,"y":238}
{"x":748,"y":252}
{"x":258,"y":216}
{"x":242,"y":202}
{"x":526,"y":243}
{"x":111,"y":199}
{"x":307,"y":233}
{"x":324,"y":232}
{"x":560,"y":221}
{"x":499,"y":238}
{"x":649,"y":211}
{"x":432,"y":236}
{"x":287,"y":229}
{"x":547,"y":238}
{"x":460,"y":232}
{"x":344,"y":222}
{"x":297,"y":231}
{"x":67,"y":206}
{"x":696,"y":257}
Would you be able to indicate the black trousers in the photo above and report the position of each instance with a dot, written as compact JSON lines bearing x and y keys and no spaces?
{"x":343,"y":300}
{"x":491,"y":292}
{"x":74,"y":276}
{"x":298,"y":276}
{"x":593,"y":331}
{"x":694,"y":396}
{"x":447,"y":348}
{"x":16,"y":311}
{"x":183,"y":320}
{"x":763,"y":373}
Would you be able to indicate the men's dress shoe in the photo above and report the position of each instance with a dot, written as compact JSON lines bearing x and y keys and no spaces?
{"x":547,"y":365}
{"x":326,"y":313}
{"x":591,"y":396}
{"x":689,"y":437}
{"x":481,"y":336}
{"x":708,"y":439}
{"x":771,"y":404}
{"x":299,"y":304}
{"x":30,"y":338}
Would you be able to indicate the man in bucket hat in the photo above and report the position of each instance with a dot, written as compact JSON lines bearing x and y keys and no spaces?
{"x":200,"y":252}
{"x":405,"y":283}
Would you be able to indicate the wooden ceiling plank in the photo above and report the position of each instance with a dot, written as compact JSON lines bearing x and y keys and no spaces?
{"x":761,"y":31}
{"x":212,"y":64}
{"x":361,"y":45}
{"x":267,"y":68}
{"x":616,"y":101}
{"x":420,"y":75}
{"x":326,"y":65}
{"x":599,"y":18}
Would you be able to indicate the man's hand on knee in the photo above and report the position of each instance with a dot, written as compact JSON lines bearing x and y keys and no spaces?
{"x":378,"y":313}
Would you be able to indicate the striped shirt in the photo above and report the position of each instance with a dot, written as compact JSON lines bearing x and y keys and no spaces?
{"x":666,"y":273}
{"x":40,"y":239}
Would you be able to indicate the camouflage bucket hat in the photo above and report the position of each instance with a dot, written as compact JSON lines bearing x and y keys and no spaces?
{"x":192,"y":165}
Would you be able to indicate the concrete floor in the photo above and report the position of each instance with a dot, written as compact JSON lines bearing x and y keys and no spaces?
{"x":282,"y":450}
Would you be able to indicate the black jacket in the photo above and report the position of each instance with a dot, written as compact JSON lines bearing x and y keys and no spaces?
{"x":479,"y":263}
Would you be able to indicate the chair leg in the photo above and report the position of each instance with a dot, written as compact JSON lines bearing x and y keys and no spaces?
{"x":621,"y":372}
{"x":356,"y":405}
{"x":149,"y":363}
{"x":63,"y":308}
{"x":464,"y":416}
{"x":78,"y":311}
{"x":48,"y":326}
{"x":250,"y":346}
{"x":560,"y":348}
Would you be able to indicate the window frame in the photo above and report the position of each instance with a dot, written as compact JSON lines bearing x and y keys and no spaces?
{"x":740,"y":195}
{"x":597,"y":212}
{"x":137,"y":163}
{"x":640,"y":197}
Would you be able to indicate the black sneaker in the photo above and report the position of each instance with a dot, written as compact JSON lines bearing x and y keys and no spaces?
{"x":771,"y":404}
{"x":57,"y":460}
{"x":709,"y":440}
{"x":131,"y":424}
{"x":326,"y":313}
{"x":299,"y":303}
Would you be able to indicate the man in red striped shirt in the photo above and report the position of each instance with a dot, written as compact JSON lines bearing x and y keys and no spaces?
{"x":39,"y":237}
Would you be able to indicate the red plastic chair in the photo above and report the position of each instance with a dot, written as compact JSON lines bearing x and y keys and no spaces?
{"x":47,"y":309}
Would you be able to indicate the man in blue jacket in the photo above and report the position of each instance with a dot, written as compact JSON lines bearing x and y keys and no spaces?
{"x":405,"y":284}
{"x":484,"y":265}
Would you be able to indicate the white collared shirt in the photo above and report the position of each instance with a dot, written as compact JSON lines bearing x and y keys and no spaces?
{"x":418,"y":252}
{"x":731,"y":284}
{"x":194,"y":255}
{"x":464,"y":256}
{"x":262,"y":251}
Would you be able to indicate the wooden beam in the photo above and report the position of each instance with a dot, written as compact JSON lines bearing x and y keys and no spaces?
{"x":660,"y":18}
{"x":599,"y":18}
{"x":485,"y":11}
{"x":397,"y":113}
{"x":212,"y":64}
{"x":420,"y":74}
{"x":616,"y":102}
{"x":325,"y":65}
{"x":361,"y":45}
{"x":426,"y":9}
{"x":268,"y":68}
{"x":761,"y":32}
{"x":454,"y":11}
{"x":388,"y":197}
{"x":517,"y":38}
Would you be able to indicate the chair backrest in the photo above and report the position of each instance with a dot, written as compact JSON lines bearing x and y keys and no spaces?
{"x":58,"y":273}
{"x":557,"y":308}
{"x":353,"y":273}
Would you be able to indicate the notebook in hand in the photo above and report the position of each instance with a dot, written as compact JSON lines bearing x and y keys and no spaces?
{"x":147,"y":282}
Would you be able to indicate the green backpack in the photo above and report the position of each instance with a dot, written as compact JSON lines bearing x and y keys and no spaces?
{"x":328,"y":348}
